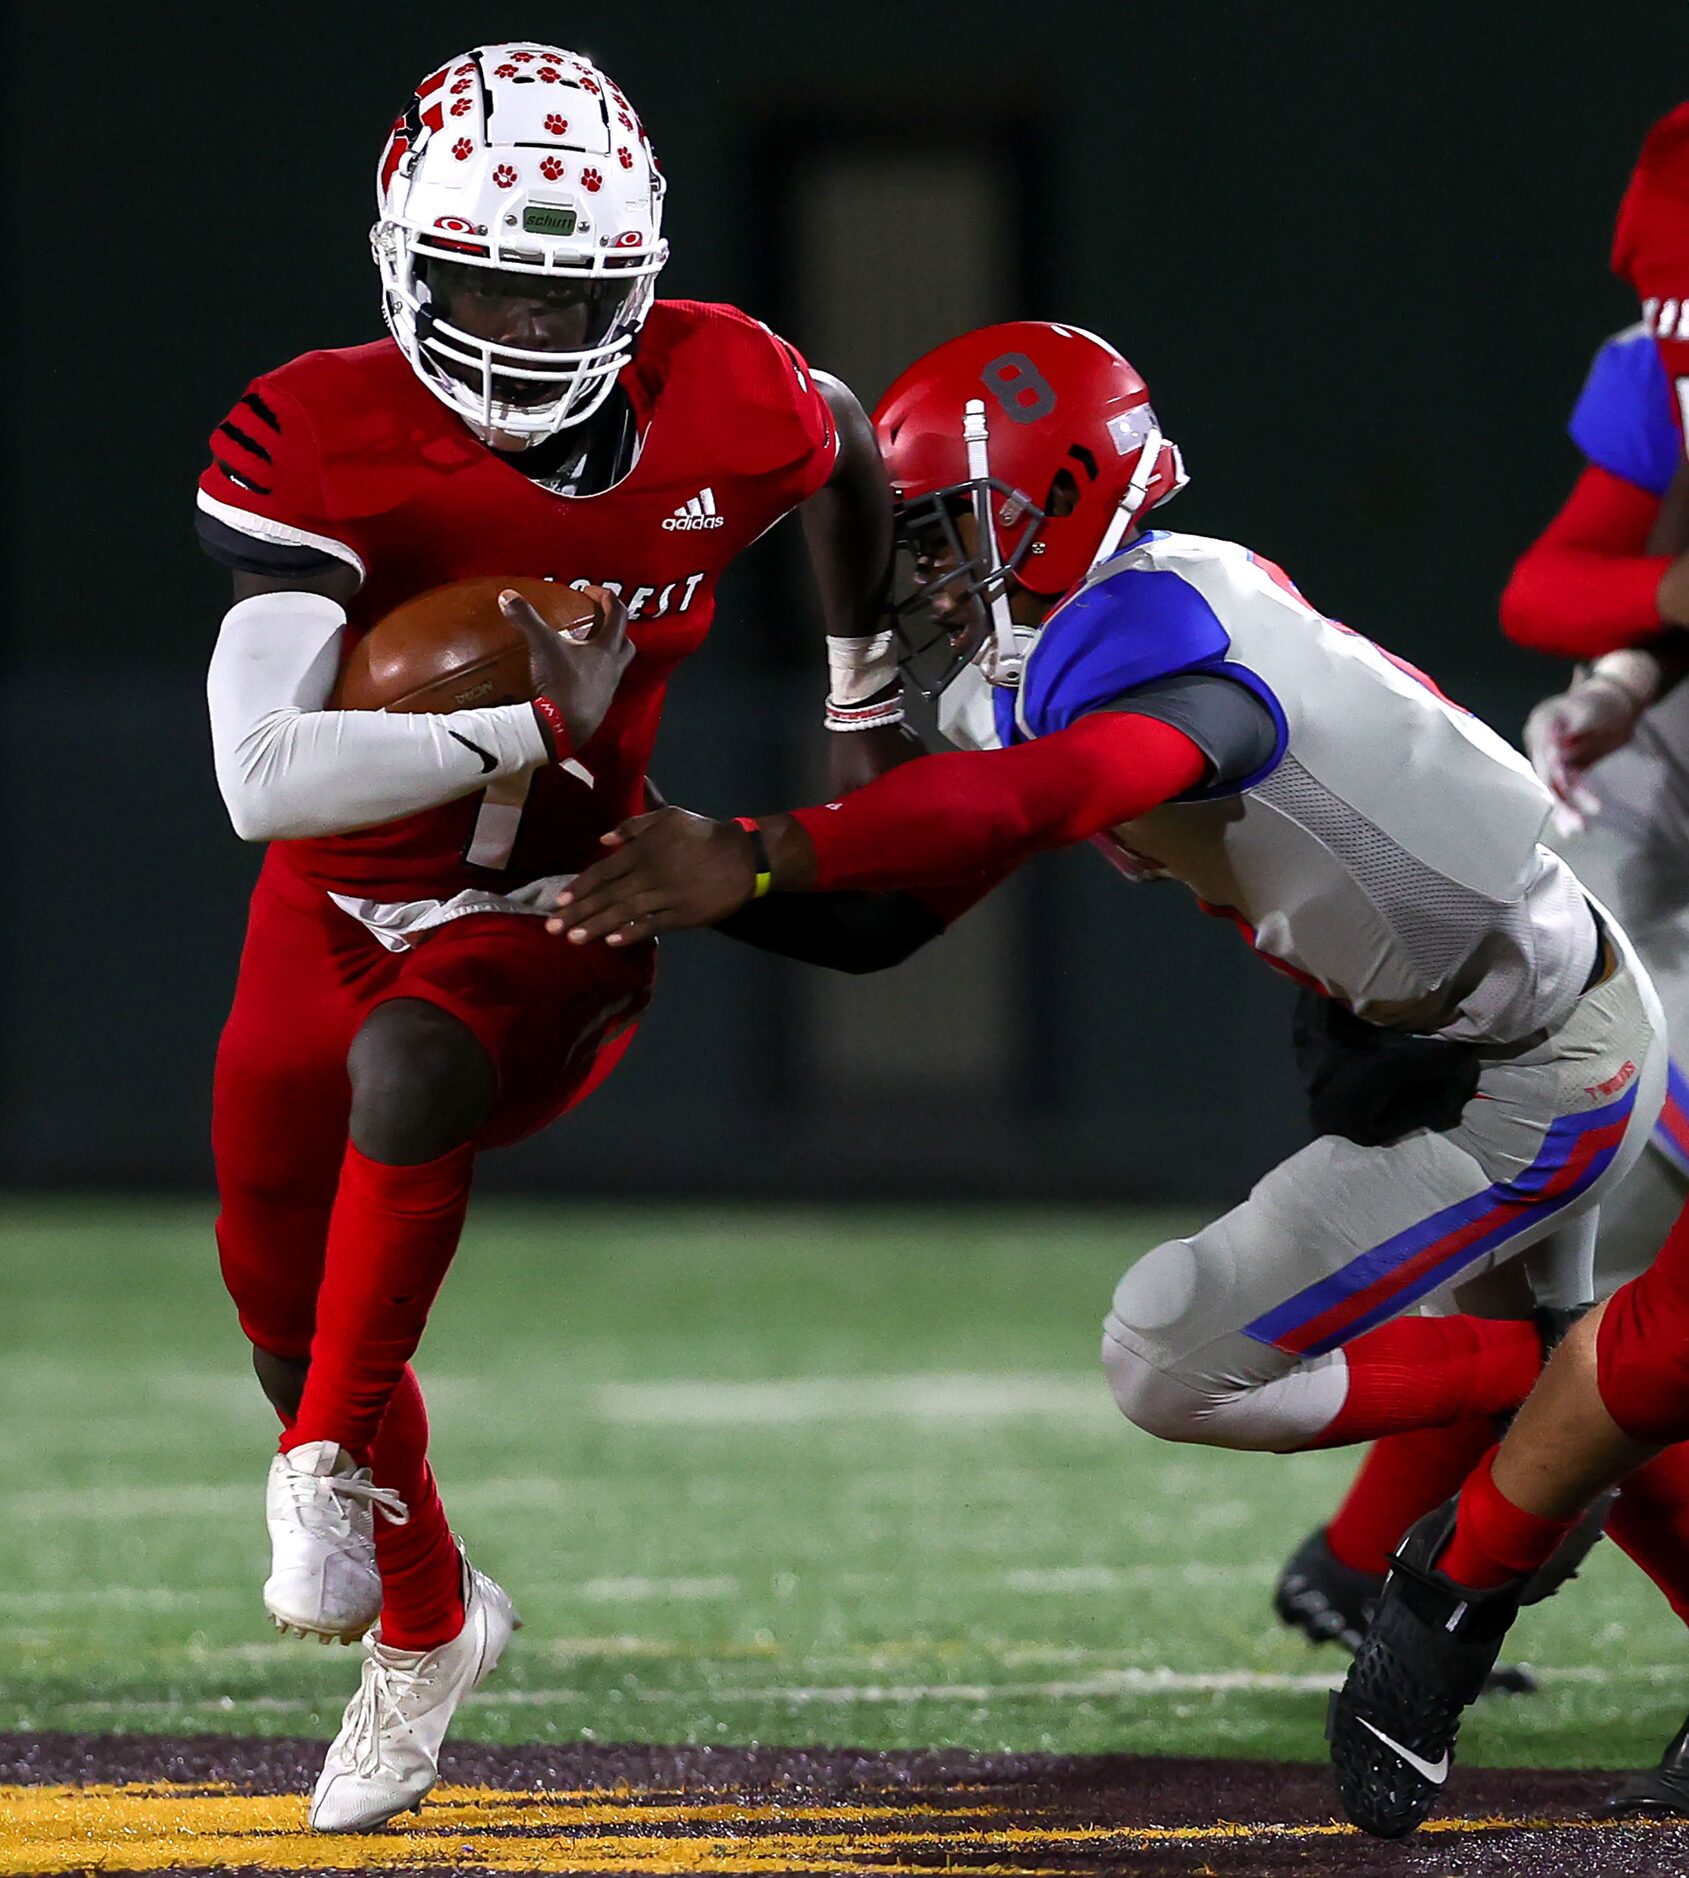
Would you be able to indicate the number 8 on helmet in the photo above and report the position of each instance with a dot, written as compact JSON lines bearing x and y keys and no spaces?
{"x":1042,"y":437}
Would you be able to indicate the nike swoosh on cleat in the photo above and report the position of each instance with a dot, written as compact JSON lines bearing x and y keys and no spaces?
{"x":488,"y":760}
{"x":1434,"y":1771}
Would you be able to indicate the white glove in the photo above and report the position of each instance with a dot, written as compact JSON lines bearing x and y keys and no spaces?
{"x":1566,"y":736}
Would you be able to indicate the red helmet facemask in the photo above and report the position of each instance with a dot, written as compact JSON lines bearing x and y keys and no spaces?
{"x":1021,"y":456}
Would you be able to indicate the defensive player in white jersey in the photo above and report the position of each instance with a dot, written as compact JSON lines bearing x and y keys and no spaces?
{"x":1607,"y":581}
{"x":1177,"y":700}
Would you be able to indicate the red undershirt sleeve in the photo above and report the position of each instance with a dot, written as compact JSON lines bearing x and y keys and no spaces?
{"x":944,"y":818}
{"x":1585,"y":586}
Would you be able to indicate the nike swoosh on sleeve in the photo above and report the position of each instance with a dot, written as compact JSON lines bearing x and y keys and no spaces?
{"x":488,"y":760}
{"x":1434,"y":1771}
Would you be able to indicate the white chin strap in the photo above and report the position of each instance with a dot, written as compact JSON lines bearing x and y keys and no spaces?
{"x":1001,"y":658}
{"x":1133,"y":500}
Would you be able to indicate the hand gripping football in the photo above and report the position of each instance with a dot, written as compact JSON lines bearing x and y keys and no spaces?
{"x":451,"y":649}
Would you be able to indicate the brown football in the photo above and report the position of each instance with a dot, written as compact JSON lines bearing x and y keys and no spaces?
{"x":451,"y":649}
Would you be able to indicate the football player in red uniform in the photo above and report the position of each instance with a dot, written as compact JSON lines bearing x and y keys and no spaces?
{"x":534,"y":412}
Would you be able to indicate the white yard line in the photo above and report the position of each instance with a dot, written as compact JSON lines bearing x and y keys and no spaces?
{"x":499,"y":1493}
{"x":1054,"y":1581}
{"x":921,"y":1396}
{"x":1082,"y":1688}
{"x":1075,"y":1580}
{"x":653,"y":1590}
{"x":119,"y":1598}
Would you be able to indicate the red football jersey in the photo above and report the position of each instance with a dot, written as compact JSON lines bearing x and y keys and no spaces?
{"x":348,"y":453}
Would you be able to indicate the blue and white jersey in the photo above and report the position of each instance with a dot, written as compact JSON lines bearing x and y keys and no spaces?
{"x":1388,"y":849}
{"x":1623,"y":421}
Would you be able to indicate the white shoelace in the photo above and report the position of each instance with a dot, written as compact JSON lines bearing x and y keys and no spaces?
{"x":306,"y":1498}
{"x":386,"y":1688}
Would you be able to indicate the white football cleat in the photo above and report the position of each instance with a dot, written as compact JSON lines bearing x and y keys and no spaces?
{"x":320,"y":1508}
{"x":386,"y":1756}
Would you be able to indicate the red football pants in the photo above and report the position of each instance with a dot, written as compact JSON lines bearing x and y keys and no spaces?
{"x":553,"y":1018}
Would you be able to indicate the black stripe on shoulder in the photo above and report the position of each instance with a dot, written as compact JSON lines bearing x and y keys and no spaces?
{"x":249,"y":555}
{"x":234,"y":476}
{"x":260,"y":410}
{"x":246,"y":442}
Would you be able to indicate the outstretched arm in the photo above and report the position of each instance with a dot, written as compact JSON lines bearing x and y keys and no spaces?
{"x":845,"y":932}
{"x":941,"y":819}
{"x":965,"y":811}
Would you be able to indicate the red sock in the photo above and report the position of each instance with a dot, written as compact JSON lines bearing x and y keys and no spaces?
{"x":1426,"y":1372}
{"x":421,"y":1580}
{"x":390,"y":1239}
{"x":1650,"y":1524}
{"x":1494,"y":1540}
{"x":1402,"y":1477}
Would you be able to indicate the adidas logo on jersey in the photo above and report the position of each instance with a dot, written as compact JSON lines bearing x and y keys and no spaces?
{"x":700,"y":512}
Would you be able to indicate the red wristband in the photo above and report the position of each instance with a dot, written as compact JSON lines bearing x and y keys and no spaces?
{"x":552,"y":728}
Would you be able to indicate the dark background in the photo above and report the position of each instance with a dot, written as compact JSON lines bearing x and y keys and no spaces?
{"x":1360,"y":258}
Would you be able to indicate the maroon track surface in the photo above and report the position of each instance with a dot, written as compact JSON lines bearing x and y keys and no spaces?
{"x":1028,"y":1791}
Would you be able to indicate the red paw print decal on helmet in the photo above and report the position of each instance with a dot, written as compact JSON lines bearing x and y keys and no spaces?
{"x":591,"y":181}
{"x":556,"y":123}
{"x":524,"y":58}
{"x":505,"y":176}
{"x":463,"y":149}
{"x":460,"y":107}
{"x":590,"y":84}
{"x":464,"y":84}
{"x":551,"y":169}
{"x":624,"y":120}
{"x":624,"y":156}
{"x":549,"y":75}
{"x":504,"y":71}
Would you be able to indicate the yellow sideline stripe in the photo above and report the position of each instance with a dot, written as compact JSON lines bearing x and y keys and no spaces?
{"x":154,"y":1825}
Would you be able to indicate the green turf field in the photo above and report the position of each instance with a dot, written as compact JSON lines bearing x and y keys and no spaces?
{"x":751,"y":1476}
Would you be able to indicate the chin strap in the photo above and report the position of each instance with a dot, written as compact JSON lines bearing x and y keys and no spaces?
{"x":1143,"y":473}
{"x":1002,"y":658}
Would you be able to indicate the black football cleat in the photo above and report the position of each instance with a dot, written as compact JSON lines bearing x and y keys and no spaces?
{"x":1662,"y":1792}
{"x":1423,"y":1662}
{"x":1330,"y":1602}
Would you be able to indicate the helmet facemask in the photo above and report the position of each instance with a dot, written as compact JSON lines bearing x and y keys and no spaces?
{"x":514,"y":395}
{"x":953,"y":596}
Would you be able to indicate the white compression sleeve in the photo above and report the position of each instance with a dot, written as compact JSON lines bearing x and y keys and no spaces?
{"x":288,"y":768}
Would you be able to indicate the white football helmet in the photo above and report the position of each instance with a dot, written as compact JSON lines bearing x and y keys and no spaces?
{"x":520,"y":160}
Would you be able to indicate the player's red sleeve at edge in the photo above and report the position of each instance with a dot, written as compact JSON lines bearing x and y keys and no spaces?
{"x":942,"y":818}
{"x":1585,"y":586}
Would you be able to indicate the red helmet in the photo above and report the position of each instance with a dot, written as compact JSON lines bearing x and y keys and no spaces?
{"x":1045,"y":434}
{"x":1651,"y":241}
